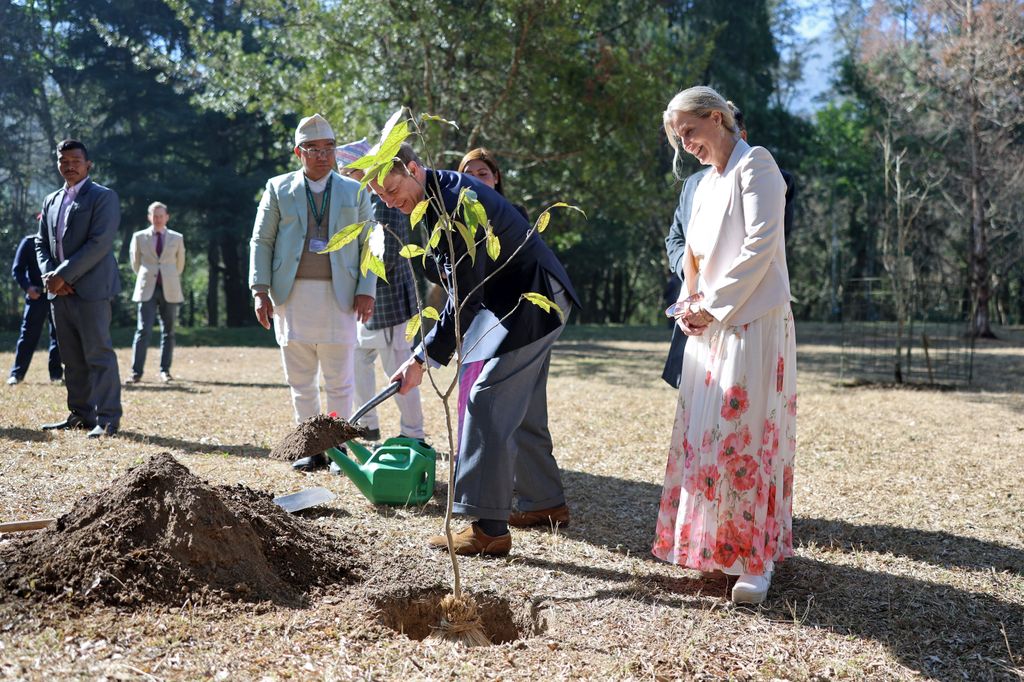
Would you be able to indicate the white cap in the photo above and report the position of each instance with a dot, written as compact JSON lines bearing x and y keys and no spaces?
{"x":313,"y":127}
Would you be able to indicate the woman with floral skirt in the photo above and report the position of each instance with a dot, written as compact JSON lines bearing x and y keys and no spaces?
{"x":728,"y":494}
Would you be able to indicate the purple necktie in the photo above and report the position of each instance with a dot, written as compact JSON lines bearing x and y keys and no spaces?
{"x":159,"y":251}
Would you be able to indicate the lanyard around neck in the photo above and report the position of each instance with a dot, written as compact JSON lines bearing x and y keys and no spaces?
{"x":318,"y":216}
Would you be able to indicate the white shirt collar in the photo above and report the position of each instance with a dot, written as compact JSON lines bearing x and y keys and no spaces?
{"x":317,"y":186}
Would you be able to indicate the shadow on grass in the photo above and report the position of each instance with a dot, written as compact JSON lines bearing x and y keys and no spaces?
{"x":672,"y":592}
{"x":240,"y":384}
{"x":176,"y":387}
{"x":612,"y":512}
{"x":614,"y":365}
{"x":20,"y":434}
{"x":620,"y":515}
{"x":941,"y":631}
{"x":930,"y":547}
{"x":244,"y":450}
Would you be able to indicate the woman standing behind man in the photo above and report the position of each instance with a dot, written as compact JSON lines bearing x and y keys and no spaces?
{"x":482,"y":165}
{"x":728,"y":494}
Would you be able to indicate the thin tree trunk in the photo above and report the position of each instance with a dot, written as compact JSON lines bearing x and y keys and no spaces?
{"x":236,"y":299}
{"x":213,"y":259}
{"x":980,"y":290}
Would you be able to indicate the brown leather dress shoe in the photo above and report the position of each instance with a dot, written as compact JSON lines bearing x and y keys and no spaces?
{"x":471,"y":541}
{"x":555,"y":516}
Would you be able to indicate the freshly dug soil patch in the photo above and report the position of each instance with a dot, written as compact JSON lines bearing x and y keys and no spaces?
{"x":159,"y":534}
{"x":415,"y":613}
{"x":315,"y":435}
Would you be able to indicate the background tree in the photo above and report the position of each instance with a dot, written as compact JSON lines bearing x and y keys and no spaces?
{"x":73,"y":73}
{"x":193,"y":101}
{"x":951,"y":73}
{"x":569,"y":94}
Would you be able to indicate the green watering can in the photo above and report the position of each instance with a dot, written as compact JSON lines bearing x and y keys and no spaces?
{"x":400,"y":471}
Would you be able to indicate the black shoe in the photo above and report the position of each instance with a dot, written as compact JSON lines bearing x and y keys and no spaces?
{"x":313,"y":463}
{"x":102,"y":431}
{"x":73,"y":421}
{"x":422,"y":441}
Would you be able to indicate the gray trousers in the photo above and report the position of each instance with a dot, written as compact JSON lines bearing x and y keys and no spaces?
{"x":147,"y":313}
{"x":90,"y":366}
{"x":505,"y":442}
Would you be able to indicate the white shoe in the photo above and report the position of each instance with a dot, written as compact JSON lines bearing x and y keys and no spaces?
{"x":751,"y":589}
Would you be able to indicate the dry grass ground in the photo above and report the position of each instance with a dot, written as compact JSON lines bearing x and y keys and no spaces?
{"x":909,"y":560}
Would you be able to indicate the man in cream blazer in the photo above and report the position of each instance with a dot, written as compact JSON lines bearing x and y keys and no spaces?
{"x":313,"y":299}
{"x":158,"y":259}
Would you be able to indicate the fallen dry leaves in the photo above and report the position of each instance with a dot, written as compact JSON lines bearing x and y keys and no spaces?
{"x":909,"y":560}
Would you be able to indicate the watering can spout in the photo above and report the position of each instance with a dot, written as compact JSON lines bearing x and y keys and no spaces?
{"x":352,"y":470}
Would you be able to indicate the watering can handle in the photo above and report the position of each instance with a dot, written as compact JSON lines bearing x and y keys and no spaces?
{"x":376,"y":400}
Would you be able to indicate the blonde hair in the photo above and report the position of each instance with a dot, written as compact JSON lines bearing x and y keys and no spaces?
{"x":701,"y":101}
{"x":154,"y":206}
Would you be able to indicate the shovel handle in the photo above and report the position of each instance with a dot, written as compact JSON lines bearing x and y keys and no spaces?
{"x":376,"y":400}
{"x":31,"y":524}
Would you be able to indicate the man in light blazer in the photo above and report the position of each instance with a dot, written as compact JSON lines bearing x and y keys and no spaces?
{"x":158,"y":258}
{"x":75,"y":250}
{"x":505,"y":449}
{"x":313,"y":299}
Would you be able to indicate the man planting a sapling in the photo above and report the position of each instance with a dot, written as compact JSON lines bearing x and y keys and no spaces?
{"x":504,"y":298}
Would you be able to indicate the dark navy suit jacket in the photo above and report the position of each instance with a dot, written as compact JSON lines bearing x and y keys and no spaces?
{"x":524,"y":265}
{"x":89,"y":265}
{"x":25,"y":268}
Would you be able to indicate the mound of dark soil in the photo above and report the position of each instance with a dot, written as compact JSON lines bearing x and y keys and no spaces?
{"x":159,"y":534}
{"x":315,"y":435}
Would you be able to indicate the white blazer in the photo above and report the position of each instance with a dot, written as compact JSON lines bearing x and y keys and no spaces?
{"x":744,"y":273}
{"x":146,"y":264}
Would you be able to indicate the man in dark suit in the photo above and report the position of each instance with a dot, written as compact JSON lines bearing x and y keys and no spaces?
{"x":25,"y":271}
{"x":505,"y":442}
{"x":75,"y":250}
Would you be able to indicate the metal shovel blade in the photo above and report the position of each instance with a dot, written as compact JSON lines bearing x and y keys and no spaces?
{"x":304,"y":499}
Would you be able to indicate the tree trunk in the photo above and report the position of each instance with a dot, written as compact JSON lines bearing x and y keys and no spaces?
{"x":980,"y":291}
{"x":236,"y":298}
{"x":213,"y":258}
{"x":616,"y":304}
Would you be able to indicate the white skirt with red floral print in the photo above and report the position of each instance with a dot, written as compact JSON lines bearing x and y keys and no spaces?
{"x":727,"y":503}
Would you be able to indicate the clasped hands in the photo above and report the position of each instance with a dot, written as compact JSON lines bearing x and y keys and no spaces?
{"x":694,"y":323}
{"x":690,"y":316}
{"x":56,"y":285}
